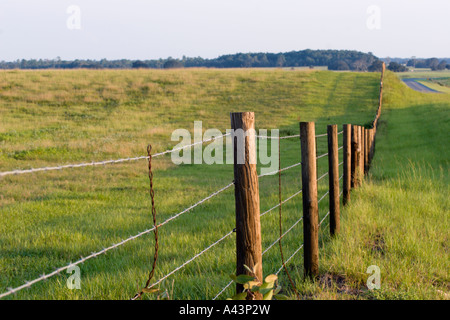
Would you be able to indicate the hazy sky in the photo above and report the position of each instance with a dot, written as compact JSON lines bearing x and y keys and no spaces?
{"x":149,"y":29}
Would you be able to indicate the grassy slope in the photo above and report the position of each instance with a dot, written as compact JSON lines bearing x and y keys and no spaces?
{"x":52,"y":218}
{"x":441,"y":86}
{"x":54,"y":117}
{"x":398,"y":220}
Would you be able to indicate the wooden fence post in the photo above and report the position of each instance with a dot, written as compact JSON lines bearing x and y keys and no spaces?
{"x":347,"y":137}
{"x":372,"y":135}
{"x":374,"y":138}
{"x":354,"y":157}
{"x":333,"y":173}
{"x":310,"y":204}
{"x":361,"y":153}
{"x":366,"y":150}
{"x":248,"y":226}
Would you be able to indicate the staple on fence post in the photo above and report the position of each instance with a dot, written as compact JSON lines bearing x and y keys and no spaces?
{"x":347,"y":138}
{"x":333,"y":173}
{"x":248,"y":226}
{"x":354,"y":156}
{"x":310,"y":204}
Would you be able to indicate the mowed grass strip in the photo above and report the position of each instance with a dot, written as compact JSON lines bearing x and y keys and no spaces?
{"x":49,"y":219}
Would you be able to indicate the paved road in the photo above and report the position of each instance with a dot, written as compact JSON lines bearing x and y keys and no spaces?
{"x":413,"y":84}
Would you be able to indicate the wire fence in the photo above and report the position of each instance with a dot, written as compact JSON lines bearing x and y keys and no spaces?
{"x":357,"y":150}
{"x":57,"y":271}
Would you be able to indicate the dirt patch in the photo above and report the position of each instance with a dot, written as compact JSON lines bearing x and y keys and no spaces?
{"x":377,"y":244}
{"x":338,"y":283}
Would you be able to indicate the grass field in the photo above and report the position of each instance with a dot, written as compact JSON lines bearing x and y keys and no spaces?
{"x":424,"y":73}
{"x":436,"y":80}
{"x":398,"y":220}
{"x":49,"y":219}
{"x":438,"y":84}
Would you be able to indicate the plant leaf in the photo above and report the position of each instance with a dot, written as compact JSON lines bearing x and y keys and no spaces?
{"x":243,"y":278}
{"x":239,"y":296}
{"x":268,"y":295}
{"x":277,"y":290}
{"x":271,"y":278}
{"x":252,"y":285}
{"x":264,"y":291}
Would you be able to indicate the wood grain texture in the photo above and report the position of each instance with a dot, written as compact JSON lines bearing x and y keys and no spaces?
{"x":333,"y":181}
{"x":248,"y":226}
{"x":310,"y":205}
{"x":347,"y":140}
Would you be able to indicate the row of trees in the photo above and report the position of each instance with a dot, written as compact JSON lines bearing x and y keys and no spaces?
{"x":397,"y":67}
{"x":333,"y":59}
{"x":432,"y":63}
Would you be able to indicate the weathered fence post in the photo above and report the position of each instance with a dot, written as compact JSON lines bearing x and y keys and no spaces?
{"x":347,"y":137}
{"x":310,"y":204}
{"x":361,"y":153}
{"x":333,"y":173}
{"x":248,"y":226}
{"x":372,"y":135}
{"x":366,"y":150}
{"x":354,"y":157}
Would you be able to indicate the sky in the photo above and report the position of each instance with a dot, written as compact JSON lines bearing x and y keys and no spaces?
{"x":152,"y":29}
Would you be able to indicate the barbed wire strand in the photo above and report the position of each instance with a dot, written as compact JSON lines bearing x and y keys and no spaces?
{"x":279,"y":170}
{"x":326,"y":193}
{"x":98,"y":163}
{"x":282,"y":236}
{"x":284,"y":201}
{"x":321,"y":156}
{"x":281,"y":138}
{"x":321,"y":135}
{"x":326,"y":215}
{"x":322,"y":176}
{"x":288,"y":259}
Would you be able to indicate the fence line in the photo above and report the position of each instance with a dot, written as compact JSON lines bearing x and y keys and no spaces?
{"x":362,"y":151}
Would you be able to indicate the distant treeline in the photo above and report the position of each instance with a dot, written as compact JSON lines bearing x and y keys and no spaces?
{"x":431,"y":63}
{"x":333,"y":59}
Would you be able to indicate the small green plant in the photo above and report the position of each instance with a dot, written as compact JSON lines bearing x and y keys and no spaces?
{"x":253,"y":286}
